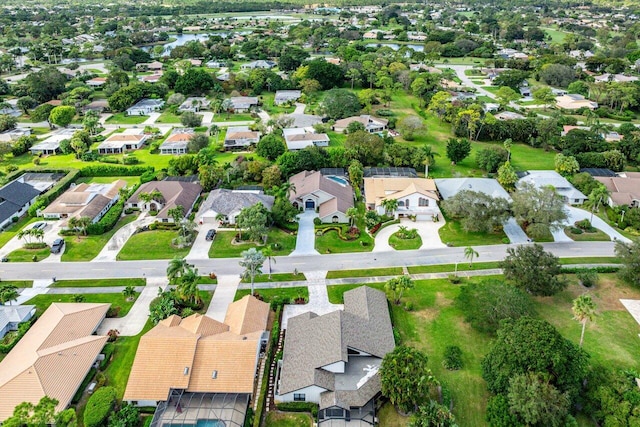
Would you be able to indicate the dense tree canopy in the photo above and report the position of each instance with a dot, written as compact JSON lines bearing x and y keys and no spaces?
{"x":534,"y":270}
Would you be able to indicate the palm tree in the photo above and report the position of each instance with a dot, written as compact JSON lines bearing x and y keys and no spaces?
{"x":227,"y":106}
{"x":269,"y":255}
{"x":252,"y":261}
{"x":584,"y":310}
{"x":429,"y":159}
{"x":390,"y":205}
{"x":83,"y":223}
{"x":176,"y":269}
{"x":187,"y":287}
{"x":470,"y":253}
{"x":129,"y":293}
{"x":26,"y":235}
{"x":8,"y":293}
{"x":78,"y":298}
{"x":507,"y":146}
{"x":352,"y":213}
{"x":38,"y":233}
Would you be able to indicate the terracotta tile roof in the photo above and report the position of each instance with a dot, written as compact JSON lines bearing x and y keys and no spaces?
{"x":307,"y":182}
{"x":378,"y":189}
{"x":52,"y":358}
{"x":185,"y":353}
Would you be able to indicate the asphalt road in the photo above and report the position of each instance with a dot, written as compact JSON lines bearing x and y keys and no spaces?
{"x":149,"y":268}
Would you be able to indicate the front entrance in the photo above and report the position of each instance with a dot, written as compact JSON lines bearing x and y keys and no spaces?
{"x":309,"y":204}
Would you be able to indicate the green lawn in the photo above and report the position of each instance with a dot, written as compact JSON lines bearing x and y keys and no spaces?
{"x":276,"y":277}
{"x":556,"y":35}
{"x":21,"y":284}
{"x":86,"y":248}
{"x":237,"y":117}
{"x":268,"y":294}
{"x":369,"y":272}
{"x":597,"y":236}
{"x":330,"y":242}
{"x":26,"y":255}
{"x":453,"y":234}
{"x":404,"y":244}
{"x":155,"y":244}
{"x":94,"y":283}
{"x":288,"y":419}
{"x":123,"y":119}
{"x":10,"y":233}
{"x":131,"y":180}
{"x":450,"y":268}
{"x":389,"y":417}
{"x":223,"y":248}
{"x":43,"y":301}
{"x":168,"y":117}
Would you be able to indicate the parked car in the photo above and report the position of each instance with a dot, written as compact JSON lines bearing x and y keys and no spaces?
{"x":39,"y":226}
{"x":57,"y":246}
{"x":211,"y":234}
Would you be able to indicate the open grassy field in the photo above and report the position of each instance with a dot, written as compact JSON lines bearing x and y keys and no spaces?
{"x":85,"y":248}
{"x":43,"y":301}
{"x":557,"y":36}
{"x":223,"y":247}
{"x":155,"y":244}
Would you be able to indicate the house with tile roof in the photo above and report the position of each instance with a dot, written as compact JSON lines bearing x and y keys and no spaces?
{"x":242,"y":104}
{"x":449,"y":187}
{"x":284,"y":96}
{"x":177,"y":141}
{"x":11,"y":316}
{"x":415,"y":196}
{"x":85,"y":200}
{"x":624,"y":189}
{"x":299,"y":138}
{"x":240,"y":137}
{"x":331,"y":196}
{"x":172,"y":194}
{"x":53,"y":357}
{"x":337,"y":366}
{"x":118,"y":143}
{"x":187,"y":366}
{"x":227,"y":204}
{"x":370,"y":123}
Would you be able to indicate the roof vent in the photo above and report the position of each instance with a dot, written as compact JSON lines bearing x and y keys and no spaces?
{"x":186,"y":370}
{"x":244,"y":338}
{"x":214,"y":374}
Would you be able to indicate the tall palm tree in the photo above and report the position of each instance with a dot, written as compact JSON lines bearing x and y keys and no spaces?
{"x":390,"y":205}
{"x":8,"y":293}
{"x":270,"y":256}
{"x":176,"y":269}
{"x":38,"y":234}
{"x":252,"y":261}
{"x":352,"y":213}
{"x":584,"y":310}
{"x":129,"y":293}
{"x":429,"y":159}
{"x":470,"y":253}
{"x":187,"y":287}
{"x":83,"y":223}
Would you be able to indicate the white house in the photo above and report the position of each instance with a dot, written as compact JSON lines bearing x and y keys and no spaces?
{"x":240,"y":137}
{"x":177,"y":142}
{"x":11,"y":316}
{"x":299,"y":138}
{"x":227,"y":204}
{"x":145,"y":106}
{"x":284,"y":96}
{"x":544,"y":178}
{"x":118,"y":143}
{"x":195,"y":104}
{"x":51,"y":145}
{"x":414,"y":196}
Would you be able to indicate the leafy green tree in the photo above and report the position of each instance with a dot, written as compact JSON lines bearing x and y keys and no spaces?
{"x":356,"y":174}
{"x":270,"y":256}
{"x":197,"y":142}
{"x":534,"y":270}
{"x":187,"y":286}
{"x":584,"y":310}
{"x":536,"y":402}
{"x":511,"y":78}
{"x":100,"y":406}
{"x":545,"y":96}
{"x":195,"y":81}
{"x":8,"y":293}
{"x":162,"y":307}
{"x":7,"y":122}
{"x":477,"y":211}
{"x":487,"y":303}
{"x":405,"y":379}
{"x":28,"y":414}
{"x":490,"y":158}
{"x":409,"y":126}
{"x":458,"y":149}
{"x":191,"y":119}
{"x":629,"y":255}
{"x":366,"y":147}
{"x":62,"y":115}
{"x":431,"y":415}
{"x":253,"y":220}
{"x":25,"y":103}
{"x":440,"y":103}
{"x":557,"y":75}
{"x":506,"y":95}
{"x":507,"y":176}
{"x":127,"y":416}
{"x":176,"y":268}
{"x":398,"y":286}
{"x":327,"y":74}
{"x":538,"y":209}
{"x":270,"y":147}
{"x":340,"y":103}
{"x":252,"y":261}
{"x":45,"y":84}
{"x":566,"y":165}
{"x":41,"y":113}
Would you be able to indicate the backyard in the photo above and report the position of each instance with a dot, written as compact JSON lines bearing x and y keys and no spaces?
{"x":153,"y":244}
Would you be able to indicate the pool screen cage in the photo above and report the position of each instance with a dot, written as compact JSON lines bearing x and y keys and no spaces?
{"x":184,"y":409}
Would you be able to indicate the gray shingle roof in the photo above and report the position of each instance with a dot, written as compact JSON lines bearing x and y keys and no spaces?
{"x":227,"y":201}
{"x":13,"y":197}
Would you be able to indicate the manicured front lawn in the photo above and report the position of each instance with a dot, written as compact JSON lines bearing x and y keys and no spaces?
{"x":276,"y":277}
{"x":168,"y":117}
{"x":597,"y":236}
{"x":404,"y":244}
{"x":123,"y":119}
{"x":268,"y":294}
{"x":369,"y":272}
{"x":86,"y":248}
{"x":94,"y":283}
{"x":288,"y":419}
{"x":450,"y":268}
{"x":237,"y":117}
{"x":21,"y":284}
{"x":42,"y":302}
{"x":281,"y":242}
{"x":26,"y":255}
{"x":330,"y":242}
{"x":10,"y":233}
{"x":154,"y":244}
{"x":453,"y":234}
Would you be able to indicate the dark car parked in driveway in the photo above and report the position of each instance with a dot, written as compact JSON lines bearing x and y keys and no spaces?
{"x":211,"y":234}
{"x":57,"y":246}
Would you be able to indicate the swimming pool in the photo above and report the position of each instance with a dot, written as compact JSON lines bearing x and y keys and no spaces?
{"x":210,"y":423}
{"x":338,"y":179}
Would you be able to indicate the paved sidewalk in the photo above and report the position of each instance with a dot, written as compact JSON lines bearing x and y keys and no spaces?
{"x":223,"y":296}
{"x":306,"y":239}
{"x":117,"y":241}
{"x":633,"y":307}
{"x":134,"y":321}
{"x":318,"y":298}
{"x":39,"y":287}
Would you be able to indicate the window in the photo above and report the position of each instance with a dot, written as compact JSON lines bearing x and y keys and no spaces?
{"x":423,"y":202}
{"x":334,"y":219}
{"x":401,"y":203}
{"x":406,"y":203}
{"x":299,"y":397}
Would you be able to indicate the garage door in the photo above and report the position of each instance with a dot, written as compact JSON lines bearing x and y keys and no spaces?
{"x":424,"y":217}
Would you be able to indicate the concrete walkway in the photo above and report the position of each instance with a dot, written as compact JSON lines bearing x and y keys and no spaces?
{"x":207,"y":117}
{"x":151,"y":120}
{"x":514,"y":232}
{"x":223,"y":296}
{"x":305,"y":242}
{"x":318,"y":298}
{"x":117,"y":241}
{"x":134,"y":321}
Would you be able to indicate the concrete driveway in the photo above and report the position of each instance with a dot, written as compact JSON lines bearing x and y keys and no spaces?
{"x":514,"y":232}
{"x":301,"y":120}
{"x":50,"y":234}
{"x":201,"y":246}
{"x":428,"y":231}
{"x":306,"y":240}
{"x":152,"y":119}
{"x":577,"y":214}
{"x":117,"y":241}
{"x":207,"y":117}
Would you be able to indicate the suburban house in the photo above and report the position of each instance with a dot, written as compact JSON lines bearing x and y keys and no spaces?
{"x":227,"y":204}
{"x":200,"y":370}
{"x":240,"y":137}
{"x":11,"y":111}
{"x":177,"y":141}
{"x":574,"y":101}
{"x":172,"y":194}
{"x":618,"y":78}
{"x":243,"y":104}
{"x":609,"y":136}
{"x":149,"y":66}
{"x":258,"y":64}
{"x":284,"y":96}
{"x":152,"y":78}
{"x":96,"y":81}
{"x":624,"y":190}
{"x":51,"y":145}
{"x":15,"y":199}
{"x":543,"y":178}
{"x":118,"y":143}
{"x":334,"y":359}
{"x":415,"y":196}
{"x":371,"y":124}
{"x":299,"y":138}
{"x":53,"y":357}
{"x":195,"y":104}
{"x":85,"y":200}
{"x":331,"y":196}
{"x":449,"y":187}
{"x":145,"y":106}
{"x":13,"y":134}
{"x":508,"y":115}
{"x":13,"y":315}
{"x":216,"y":63}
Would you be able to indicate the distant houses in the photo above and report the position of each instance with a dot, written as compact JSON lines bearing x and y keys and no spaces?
{"x":118,"y":143}
{"x":624,"y":189}
{"x":574,"y":101}
{"x":370,"y":123}
{"x":284,"y":96}
{"x":258,"y":64}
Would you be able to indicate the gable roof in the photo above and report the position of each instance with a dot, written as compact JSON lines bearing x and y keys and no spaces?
{"x":200,"y":354}
{"x":364,"y":324}
{"x":226,"y":202}
{"x":545,"y":178}
{"x":85,"y":199}
{"x":378,"y":189}
{"x":449,"y":187}
{"x":174,"y":193}
{"x":53,"y":357}
{"x":623,"y":190}
{"x":307,"y":182}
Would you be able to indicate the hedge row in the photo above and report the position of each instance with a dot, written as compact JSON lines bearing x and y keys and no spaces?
{"x":108,"y":221}
{"x":597,"y":269}
{"x":299,"y":407}
{"x":115,"y":170}
{"x":99,"y":407}
{"x":61,"y":186}
{"x":108,"y":350}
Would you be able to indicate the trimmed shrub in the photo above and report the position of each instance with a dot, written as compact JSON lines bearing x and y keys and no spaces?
{"x":99,"y":407}
{"x":108,"y":350}
{"x":298,"y":407}
{"x":115,"y":170}
{"x":588,"y":277}
{"x":108,"y":221}
{"x":452,"y":358}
